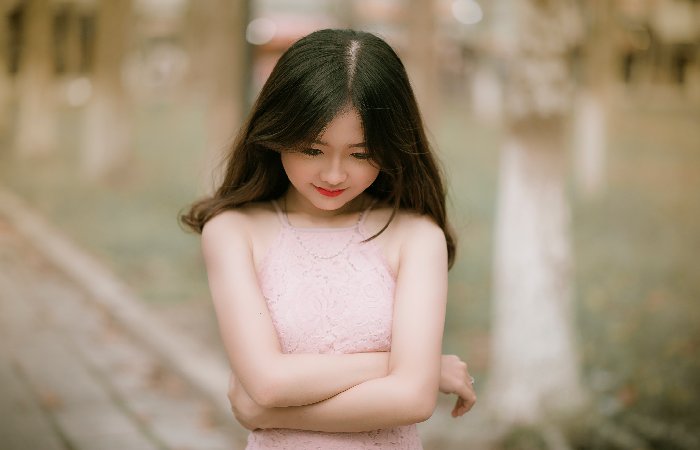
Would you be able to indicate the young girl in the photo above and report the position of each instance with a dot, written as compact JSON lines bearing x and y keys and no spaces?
{"x":327,"y":249}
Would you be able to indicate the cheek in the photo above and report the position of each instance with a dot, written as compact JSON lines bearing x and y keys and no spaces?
{"x":292,"y":167}
{"x":368,"y":175}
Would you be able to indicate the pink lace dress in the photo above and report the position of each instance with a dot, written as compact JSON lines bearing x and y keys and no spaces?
{"x":328,"y":292}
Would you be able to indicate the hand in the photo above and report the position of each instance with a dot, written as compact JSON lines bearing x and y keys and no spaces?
{"x":455,"y":379}
{"x":247,"y":412}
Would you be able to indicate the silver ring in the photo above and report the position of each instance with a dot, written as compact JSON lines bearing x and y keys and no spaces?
{"x":471,"y":379}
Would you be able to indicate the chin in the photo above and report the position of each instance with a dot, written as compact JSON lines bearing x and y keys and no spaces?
{"x":331,"y":204}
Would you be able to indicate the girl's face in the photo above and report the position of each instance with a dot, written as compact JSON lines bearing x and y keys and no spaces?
{"x":334,"y":170}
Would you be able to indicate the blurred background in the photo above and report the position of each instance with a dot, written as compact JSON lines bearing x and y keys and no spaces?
{"x":568,"y":131}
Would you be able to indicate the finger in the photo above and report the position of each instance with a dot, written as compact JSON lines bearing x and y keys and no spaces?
{"x":465,"y":402}
{"x":468,"y":403}
{"x":464,"y":390}
{"x":465,"y":408}
{"x":457,"y":407}
{"x":462,"y":406}
{"x":460,"y":409}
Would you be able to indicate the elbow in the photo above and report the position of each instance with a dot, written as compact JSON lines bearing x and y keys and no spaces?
{"x":265,"y":392}
{"x":416,"y":398}
{"x":425,"y":409}
{"x":421,"y":406}
{"x":269,"y":388}
{"x":264,"y":397}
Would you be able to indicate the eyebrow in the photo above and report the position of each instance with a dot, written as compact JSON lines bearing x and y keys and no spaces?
{"x":359,"y":145}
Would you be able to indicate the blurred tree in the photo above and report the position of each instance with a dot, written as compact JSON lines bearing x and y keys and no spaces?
{"x":106,"y":144}
{"x":592,"y":102}
{"x":421,"y":59}
{"x":676,"y":27}
{"x":346,"y":12}
{"x":535,"y":364}
{"x":219,"y":63}
{"x":35,"y":132}
{"x":5,"y":80}
{"x":67,"y":40}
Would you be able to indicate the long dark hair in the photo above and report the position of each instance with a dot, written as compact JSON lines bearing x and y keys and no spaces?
{"x":316,"y":78}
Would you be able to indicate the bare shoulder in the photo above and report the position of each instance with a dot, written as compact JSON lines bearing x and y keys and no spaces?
{"x":416,"y":228}
{"x":407,"y":233}
{"x":237,"y":227}
{"x":423,"y":251}
{"x":422,"y":244}
{"x":403,"y":221}
{"x":226,"y":223}
{"x":225,"y":233}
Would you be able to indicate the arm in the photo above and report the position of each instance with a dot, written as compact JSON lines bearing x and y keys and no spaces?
{"x":454,"y":379}
{"x":271,"y":377}
{"x":408,"y":393}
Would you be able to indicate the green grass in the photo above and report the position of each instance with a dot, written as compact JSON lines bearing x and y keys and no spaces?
{"x":638,"y":280}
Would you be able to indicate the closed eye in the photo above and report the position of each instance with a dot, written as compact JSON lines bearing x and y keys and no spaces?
{"x":311,"y":151}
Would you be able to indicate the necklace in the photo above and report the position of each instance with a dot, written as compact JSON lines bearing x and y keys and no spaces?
{"x":316,"y":255}
{"x":307,"y":249}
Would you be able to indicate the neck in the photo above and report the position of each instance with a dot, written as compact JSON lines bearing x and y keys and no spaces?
{"x":293,"y":203}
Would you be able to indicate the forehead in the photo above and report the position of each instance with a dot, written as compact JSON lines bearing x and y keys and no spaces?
{"x":346,"y":126}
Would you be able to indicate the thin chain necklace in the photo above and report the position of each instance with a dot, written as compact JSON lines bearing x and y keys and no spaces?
{"x":308,"y":250}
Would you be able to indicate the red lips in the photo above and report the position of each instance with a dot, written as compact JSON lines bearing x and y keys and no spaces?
{"x":328,"y":193}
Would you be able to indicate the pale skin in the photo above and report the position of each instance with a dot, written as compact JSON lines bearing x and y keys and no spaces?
{"x":324,"y":392}
{"x":453,"y":380}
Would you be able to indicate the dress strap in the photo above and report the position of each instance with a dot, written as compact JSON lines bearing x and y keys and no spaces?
{"x":281,"y":214}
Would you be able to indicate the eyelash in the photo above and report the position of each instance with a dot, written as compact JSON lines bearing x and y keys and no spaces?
{"x":316,"y":152}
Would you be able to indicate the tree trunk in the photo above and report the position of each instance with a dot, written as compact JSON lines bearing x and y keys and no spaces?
{"x":593,"y":103}
{"x":72,"y":44}
{"x":590,"y":142}
{"x":535,"y":364}
{"x":421,"y":58}
{"x":486,"y":93}
{"x":218,"y":27}
{"x":107,"y":127}
{"x":35,"y":130}
{"x":346,"y":12}
{"x":534,"y":357}
{"x":5,"y":80}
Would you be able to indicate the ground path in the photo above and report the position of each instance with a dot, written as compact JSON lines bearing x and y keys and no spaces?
{"x":70,"y":378}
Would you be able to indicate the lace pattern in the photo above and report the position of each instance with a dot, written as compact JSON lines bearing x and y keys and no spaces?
{"x":404,"y":438}
{"x":329,"y":292}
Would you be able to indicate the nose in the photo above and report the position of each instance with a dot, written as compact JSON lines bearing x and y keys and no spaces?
{"x":334,"y":173}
